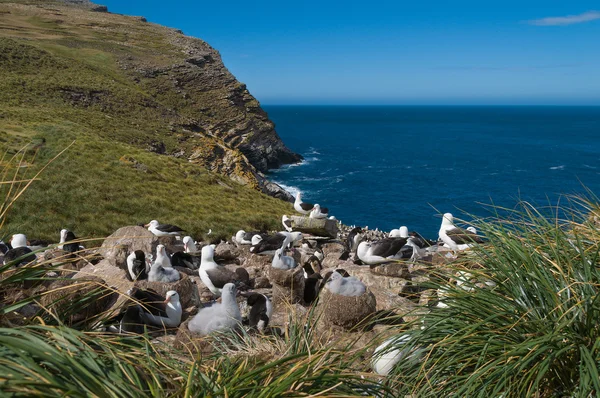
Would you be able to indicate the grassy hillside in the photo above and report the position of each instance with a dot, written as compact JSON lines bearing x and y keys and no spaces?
{"x":139,"y":152}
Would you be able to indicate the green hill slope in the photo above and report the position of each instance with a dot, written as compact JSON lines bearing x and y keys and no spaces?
{"x":151,"y":112}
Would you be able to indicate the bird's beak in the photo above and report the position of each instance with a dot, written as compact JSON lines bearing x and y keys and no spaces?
{"x":167,"y":300}
{"x":146,"y":225}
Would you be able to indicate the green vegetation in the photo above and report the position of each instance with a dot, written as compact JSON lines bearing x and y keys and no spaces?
{"x":127,"y":186}
{"x":62,"y":81}
{"x":533,"y":329}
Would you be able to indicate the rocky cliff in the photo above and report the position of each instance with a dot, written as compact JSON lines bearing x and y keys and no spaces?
{"x":137,"y":83}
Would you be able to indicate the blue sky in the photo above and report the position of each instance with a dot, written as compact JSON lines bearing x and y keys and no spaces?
{"x":397,"y":52}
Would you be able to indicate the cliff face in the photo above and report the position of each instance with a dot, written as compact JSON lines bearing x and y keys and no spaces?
{"x":137,"y":83}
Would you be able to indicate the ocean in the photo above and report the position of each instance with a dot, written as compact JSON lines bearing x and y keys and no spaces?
{"x":387,"y":166}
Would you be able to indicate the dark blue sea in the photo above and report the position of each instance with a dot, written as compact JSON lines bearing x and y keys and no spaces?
{"x":399,"y":165}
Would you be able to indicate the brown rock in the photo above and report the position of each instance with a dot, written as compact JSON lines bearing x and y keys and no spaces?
{"x":397,"y":269}
{"x":227,"y":253}
{"x":332,"y":249}
{"x":288,"y":285}
{"x":125,"y":240}
{"x":262,"y":282}
{"x":317,"y":227}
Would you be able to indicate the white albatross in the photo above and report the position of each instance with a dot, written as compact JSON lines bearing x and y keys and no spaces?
{"x":159,"y":273}
{"x":302,"y":207}
{"x":189,"y":245}
{"x":213,"y":275}
{"x":456,"y":238}
{"x":163,"y":229}
{"x":345,"y":286}
{"x":380,"y":251}
{"x":219,"y":316}
{"x":172,"y":311}
{"x":318,"y":212}
{"x":162,"y":258}
{"x":402,"y":232}
{"x":280,"y":261}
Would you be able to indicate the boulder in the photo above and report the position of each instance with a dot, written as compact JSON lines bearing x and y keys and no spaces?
{"x":315,"y":226}
{"x":349,"y":312}
{"x":227,"y":252}
{"x":288,"y":285}
{"x":125,"y":240}
{"x":332,"y":249}
{"x":397,"y":269}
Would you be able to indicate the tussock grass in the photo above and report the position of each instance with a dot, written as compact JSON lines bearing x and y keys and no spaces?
{"x":535,"y":331}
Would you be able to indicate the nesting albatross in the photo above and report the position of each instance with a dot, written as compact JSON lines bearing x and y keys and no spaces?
{"x":270,"y":244}
{"x":150,"y":308}
{"x":216,"y":276}
{"x":380,"y":251}
{"x":20,"y":254}
{"x":159,"y":272}
{"x":456,"y":238}
{"x":219,"y":316}
{"x":136,"y":266}
{"x":163,"y":229}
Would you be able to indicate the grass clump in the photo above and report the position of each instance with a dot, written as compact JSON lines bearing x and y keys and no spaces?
{"x":532,"y":329}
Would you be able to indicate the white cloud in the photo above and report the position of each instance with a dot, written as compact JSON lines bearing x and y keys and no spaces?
{"x":566,"y":20}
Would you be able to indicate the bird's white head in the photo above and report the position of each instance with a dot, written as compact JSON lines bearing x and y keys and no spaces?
{"x":63,"y":235}
{"x":239,"y":236}
{"x":172,"y":297}
{"x":160,"y":250}
{"x":335,"y":276}
{"x":298,"y":196}
{"x":362,"y":249}
{"x":18,"y":240}
{"x":256,"y":239}
{"x":317,"y":208}
{"x":472,"y":230}
{"x":188,"y":244}
{"x":403,"y":232}
{"x":229,"y":290}
{"x":208,"y":253}
{"x":296,"y":236}
{"x":152,"y":224}
{"x":448,"y":219}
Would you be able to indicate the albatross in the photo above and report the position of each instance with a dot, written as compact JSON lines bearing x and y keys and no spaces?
{"x":302,"y":207}
{"x":380,"y":251}
{"x":160,"y":273}
{"x":136,"y":266}
{"x":219,"y":316}
{"x":20,"y":254}
{"x":270,"y":244}
{"x":150,"y":308}
{"x":215,"y":276}
{"x":280,"y":261}
{"x":456,"y":238}
{"x":318,"y":212}
{"x":163,"y":229}
{"x":345,"y":286}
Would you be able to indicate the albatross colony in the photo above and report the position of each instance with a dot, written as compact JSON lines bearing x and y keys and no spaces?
{"x":238,"y":271}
